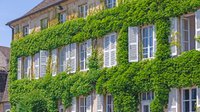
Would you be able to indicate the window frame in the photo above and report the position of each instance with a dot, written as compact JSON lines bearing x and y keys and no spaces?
{"x":16,"y":29}
{"x":25,"y":30}
{"x":113,"y":3}
{"x":83,"y":13}
{"x":62,"y":17}
{"x":183,"y":30}
{"x":84,"y":106}
{"x":148,"y":44}
{"x":42,"y":21}
{"x":110,"y":49}
{"x":146,"y":101}
{"x":111,"y":105}
{"x":190,"y":98}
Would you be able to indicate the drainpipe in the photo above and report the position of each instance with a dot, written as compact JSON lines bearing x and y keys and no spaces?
{"x":12,"y":31}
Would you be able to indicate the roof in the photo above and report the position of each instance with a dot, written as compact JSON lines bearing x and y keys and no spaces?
{"x":5,"y":51}
{"x":41,"y":6}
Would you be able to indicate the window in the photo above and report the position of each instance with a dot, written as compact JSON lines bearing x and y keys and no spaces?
{"x":187,"y":23}
{"x":100,"y":103}
{"x":109,"y":103}
{"x":44,"y":23}
{"x":73,"y":107}
{"x":19,"y":68}
{"x":25,"y":67}
{"x":83,"y":10}
{"x":189,"y":100}
{"x":36,"y":65}
{"x":25,"y":30}
{"x":149,"y":42}
{"x":54,"y":62}
{"x":62,"y":17}
{"x":16,"y":29}
{"x":43,"y":62}
{"x":85,"y":53}
{"x":85,"y":104}
{"x":185,"y":34}
{"x":71,"y":58}
{"x":82,"y":103}
{"x":110,"y":50}
{"x":110,"y":3}
{"x":146,"y":100}
{"x":62,"y":56}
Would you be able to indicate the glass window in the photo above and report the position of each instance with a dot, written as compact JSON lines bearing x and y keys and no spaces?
{"x":83,"y":10}
{"x":146,"y":100}
{"x":110,"y":3}
{"x":25,"y":30}
{"x":189,"y":100}
{"x":110,"y":50}
{"x":147,"y":38}
{"x":109,"y":104}
{"x":82,"y":104}
{"x":62,"y":17}
{"x":44,"y":23}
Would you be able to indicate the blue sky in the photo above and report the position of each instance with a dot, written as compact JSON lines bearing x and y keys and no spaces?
{"x":9,"y":10}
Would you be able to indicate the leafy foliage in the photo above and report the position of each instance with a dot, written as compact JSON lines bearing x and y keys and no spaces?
{"x":124,"y":81}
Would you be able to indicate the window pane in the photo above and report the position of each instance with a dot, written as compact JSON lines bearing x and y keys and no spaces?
{"x":194,"y":93}
{"x":144,"y":96}
{"x":193,"y":105}
{"x":186,"y":95}
{"x":148,"y":96}
{"x":186,"y":106}
{"x":146,"y":108}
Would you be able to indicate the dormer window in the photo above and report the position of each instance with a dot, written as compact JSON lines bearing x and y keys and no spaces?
{"x":25,"y":30}
{"x":83,"y":10}
{"x":16,"y":29}
{"x":62,"y":17}
{"x":44,"y":23}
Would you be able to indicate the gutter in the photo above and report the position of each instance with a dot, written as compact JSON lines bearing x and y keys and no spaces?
{"x":9,"y":23}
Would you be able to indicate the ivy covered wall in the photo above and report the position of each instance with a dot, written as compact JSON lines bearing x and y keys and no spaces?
{"x":158,"y":75}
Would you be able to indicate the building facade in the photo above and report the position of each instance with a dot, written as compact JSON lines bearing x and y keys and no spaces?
{"x":145,"y":41}
{"x":4,"y":63}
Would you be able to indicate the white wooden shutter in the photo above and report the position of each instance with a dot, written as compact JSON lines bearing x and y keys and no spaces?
{"x":113,"y":61}
{"x":154,"y":41}
{"x":36,"y":65}
{"x":99,"y":103}
{"x":73,"y":108}
{"x":54,"y":62}
{"x":133,"y":44}
{"x":197,"y":21}
{"x":173,"y":37}
{"x":88,"y":103}
{"x":106,"y":51}
{"x":67,"y":62}
{"x":198,"y":99}
{"x":82,"y":49}
{"x":19,"y":68}
{"x":73,"y":58}
{"x":62,"y":56}
{"x":173,"y":100}
{"x":43,"y":62}
{"x":88,"y":51}
{"x":29,"y":66}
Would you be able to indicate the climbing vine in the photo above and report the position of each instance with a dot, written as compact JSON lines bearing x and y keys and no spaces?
{"x":124,"y":81}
